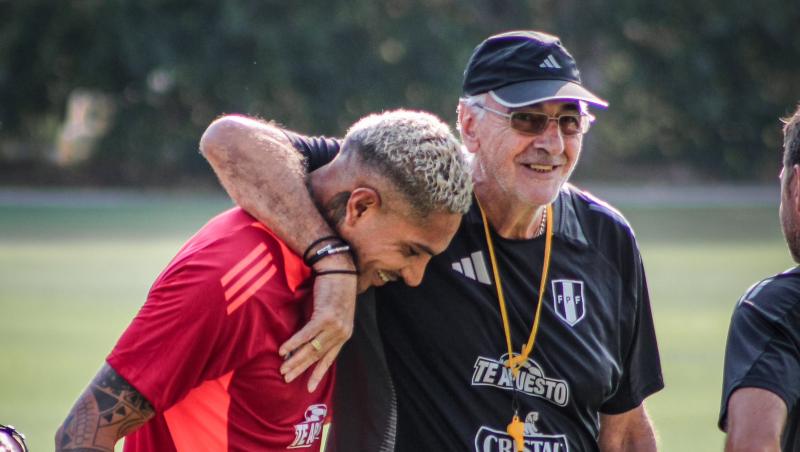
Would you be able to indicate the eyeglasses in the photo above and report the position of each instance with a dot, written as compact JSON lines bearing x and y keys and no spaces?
{"x":535,"y":123}
{"x":17,"y":437}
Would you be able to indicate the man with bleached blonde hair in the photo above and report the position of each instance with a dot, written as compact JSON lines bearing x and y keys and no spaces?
{"x":198,"y":368}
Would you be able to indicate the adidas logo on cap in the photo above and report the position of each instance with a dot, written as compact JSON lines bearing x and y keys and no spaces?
{"x":550,"y":62}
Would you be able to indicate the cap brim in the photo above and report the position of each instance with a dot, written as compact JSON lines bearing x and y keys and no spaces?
{"x":536,"y":91}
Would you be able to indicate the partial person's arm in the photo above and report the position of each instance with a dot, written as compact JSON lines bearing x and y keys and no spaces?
{"x":264,"y":174}
{"x":630,"y":431}
{"x":755,"y":422}
{"x":106,"y":411}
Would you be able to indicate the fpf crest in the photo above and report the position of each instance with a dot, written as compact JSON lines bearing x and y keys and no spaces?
{"x":568,"y":300}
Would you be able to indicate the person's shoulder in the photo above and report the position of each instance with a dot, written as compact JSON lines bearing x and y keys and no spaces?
{"x":231,"y":253}
{"x":230,"y":229}
{"x":598,"y":221}
{"x":229,"y":239}
{"x":594,"y":207}
{"x":777,"y":297}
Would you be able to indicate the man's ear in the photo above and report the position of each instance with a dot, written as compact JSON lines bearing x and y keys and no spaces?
{"x":467,"y":124}
{"x":363,"y":202}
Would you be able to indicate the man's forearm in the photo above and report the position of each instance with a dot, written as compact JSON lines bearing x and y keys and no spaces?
{"x":756,"y":419}
{"x":631,"y":431}
{"x":106,"y":411}
{"x":264,"y":174}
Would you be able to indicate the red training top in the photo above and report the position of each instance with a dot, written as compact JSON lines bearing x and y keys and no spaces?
{"x":203,"y":350}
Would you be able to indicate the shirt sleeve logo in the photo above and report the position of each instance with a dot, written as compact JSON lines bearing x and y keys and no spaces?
{"x":473,"y":267}
{"x":308,"y":431}
{"x":569,"y":301}
{"x":247,"y":277}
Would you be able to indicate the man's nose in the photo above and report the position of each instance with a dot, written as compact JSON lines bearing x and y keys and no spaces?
{"x":412,"y":275}
{"x":551,"y":140}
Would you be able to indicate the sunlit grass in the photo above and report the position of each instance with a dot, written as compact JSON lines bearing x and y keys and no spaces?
{"x":71,"y":278}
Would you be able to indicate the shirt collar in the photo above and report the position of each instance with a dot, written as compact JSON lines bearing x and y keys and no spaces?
{"x":565,"y":221}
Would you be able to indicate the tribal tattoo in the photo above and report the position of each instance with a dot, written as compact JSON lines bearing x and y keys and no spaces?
{"x":108,"y":409}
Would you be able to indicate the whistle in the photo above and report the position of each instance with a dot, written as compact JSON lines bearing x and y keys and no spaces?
{"x":516,"y":430}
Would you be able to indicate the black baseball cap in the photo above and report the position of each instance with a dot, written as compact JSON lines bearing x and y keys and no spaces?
{"x":523,"y":68}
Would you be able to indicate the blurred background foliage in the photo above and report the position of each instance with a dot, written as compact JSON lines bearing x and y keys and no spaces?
{"x":117,"y":92}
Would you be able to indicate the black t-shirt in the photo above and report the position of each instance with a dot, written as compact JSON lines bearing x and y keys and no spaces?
{"x":595,"y":351}
{"x":442,"y":343}
{"x":763,"y":349}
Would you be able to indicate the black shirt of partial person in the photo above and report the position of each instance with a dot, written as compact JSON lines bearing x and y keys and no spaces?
{"x":763,"y":349}
{"x":444,"y":345}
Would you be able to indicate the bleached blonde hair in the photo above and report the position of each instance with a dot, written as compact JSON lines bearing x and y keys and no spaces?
{"x":418,"y":154}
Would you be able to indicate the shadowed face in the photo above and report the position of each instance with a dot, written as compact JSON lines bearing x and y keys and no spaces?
{"x":788,"y":210}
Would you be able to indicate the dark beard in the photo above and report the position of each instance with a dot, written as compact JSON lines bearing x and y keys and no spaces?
{"x":794,"y":246}
{"x":792,"y":235}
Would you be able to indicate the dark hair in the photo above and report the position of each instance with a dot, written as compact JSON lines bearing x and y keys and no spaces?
{"x":791,"y":139}
{"x":336,"y":207}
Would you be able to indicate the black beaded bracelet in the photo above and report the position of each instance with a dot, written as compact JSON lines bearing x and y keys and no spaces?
{"x":335,"y":272}
{"x":327,"y":250}
{"x":317,"y":242}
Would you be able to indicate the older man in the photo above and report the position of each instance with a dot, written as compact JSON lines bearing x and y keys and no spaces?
{"x":198,"y":368}
{"x":761,"y":384}
{"x":533,"y":330}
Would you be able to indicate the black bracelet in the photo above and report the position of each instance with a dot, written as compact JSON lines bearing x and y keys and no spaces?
{"x":335,"y":272}
{"x":327,"y":250}
{"x":317,"y":242}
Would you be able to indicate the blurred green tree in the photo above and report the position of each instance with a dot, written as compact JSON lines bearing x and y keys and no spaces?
{"x":693,"y":85}
{"x":697,"y":85}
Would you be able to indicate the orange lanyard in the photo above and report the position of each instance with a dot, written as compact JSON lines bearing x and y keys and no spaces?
{"x":516,"y":427}
{"x":515,"y":362}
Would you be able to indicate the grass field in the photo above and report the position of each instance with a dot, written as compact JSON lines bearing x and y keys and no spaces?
{"x":72,"y":275}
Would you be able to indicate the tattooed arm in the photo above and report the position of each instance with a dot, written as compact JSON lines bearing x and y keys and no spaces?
{"x":107,"y":410}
